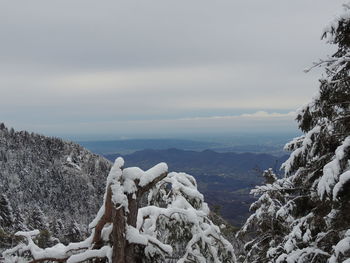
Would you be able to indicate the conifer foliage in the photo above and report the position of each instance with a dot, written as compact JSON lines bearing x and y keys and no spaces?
{"x":317,"y":202}
{"x":266,"y":226}
{"x":6,"y":215}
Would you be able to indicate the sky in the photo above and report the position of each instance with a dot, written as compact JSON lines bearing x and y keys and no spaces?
{"x":159,"y":68}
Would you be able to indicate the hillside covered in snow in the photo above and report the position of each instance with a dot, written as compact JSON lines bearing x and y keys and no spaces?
{"x":48,"y":182}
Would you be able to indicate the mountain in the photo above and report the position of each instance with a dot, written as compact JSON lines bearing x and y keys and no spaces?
{"x":225,"y":179}
{"x":50,"y":178}
{"x":132,"y":145}
{"x":239,"y":143}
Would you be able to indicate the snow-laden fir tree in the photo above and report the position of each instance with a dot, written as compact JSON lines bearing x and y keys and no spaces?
{"x":37,"y":219}
{"x":266,"y":226}
{"x":318,"y":170}
{"x":74,"y":233}
{"x":6,"y":214}
{"x":146,"y":216}
{"x":18,"y":220}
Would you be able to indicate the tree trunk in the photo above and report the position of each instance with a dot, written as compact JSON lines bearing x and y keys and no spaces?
{"x":132,"y":220}
{"x":123,"y":251}
{"x":118,"y":235}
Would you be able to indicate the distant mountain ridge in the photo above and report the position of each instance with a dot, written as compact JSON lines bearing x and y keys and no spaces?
{"x":240,"y":166}
{"x":260,"y":143}
{"x":132,"y":145}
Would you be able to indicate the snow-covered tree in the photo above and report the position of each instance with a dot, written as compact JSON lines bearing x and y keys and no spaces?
{"x":57,"y":228}
{"x":319,"y":164}
{"x":37,"y":219}
{"x":266,"y":227}
{"x":318,"y":170}
{"x":74,"y":232}
{"x":18,"y":220}
{"x":6,"y":215}
{"x":146,"y":216}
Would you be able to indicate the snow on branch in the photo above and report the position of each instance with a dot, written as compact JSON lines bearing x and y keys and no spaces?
{"x":302,"y":148}
{"x":331,"y":173}
{"x":341,"y":249}
{"x":332,"y":27}
{"x":58,"y":252}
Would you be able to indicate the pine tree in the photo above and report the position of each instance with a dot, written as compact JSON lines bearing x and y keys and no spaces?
{"x":57,"y":228}
{"x":265,"y":228}
{"x":37,"y":219}
{"x":18,"y":222}
{"x":319,"y":164}
{"x":318,"y":170}
{"x":74,"y":233}
{"x":6,"y":214}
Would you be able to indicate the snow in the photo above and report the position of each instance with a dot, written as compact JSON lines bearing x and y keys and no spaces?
{"x":28,"y":234}
{"x":341,"y":248}
{"x":297,"y":233}
{"x":343,"y":179}
{"x":71,"y":163}
{"x":88,"y":254}
{"x":99,"y":215}
{"x":118,"y":196}
{"x":334,"y":23}
{"x":58,"y":251}
{"x":106,"y":231}
{"x":129,"y":176}
{"x":331,"y":171}
{"x":303,"y":149}
{"x":153,"y":173}
{"x":181,"y":208}
{"x":300,"y":255}
{"x":133,"y":236}
{"x":113,"y":178}
{"x":133,"y":174}
{"x":15,"y":259}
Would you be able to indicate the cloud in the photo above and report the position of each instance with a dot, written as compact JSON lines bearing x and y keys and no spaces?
{"x":71,"y":66}
{"x":250,"y":123}
{"x":264,"y":114}
{"x":255,"y":115}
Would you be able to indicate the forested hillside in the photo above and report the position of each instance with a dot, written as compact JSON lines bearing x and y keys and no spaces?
{"x":48,"y":183}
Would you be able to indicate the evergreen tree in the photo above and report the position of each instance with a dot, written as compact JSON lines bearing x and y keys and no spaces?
{"x":6,"y":215}
{"x":37,"y":219}
{"x":318,"y":170}
{"x":57,"y":228}
{"x":265,"y":228}
{"x":74,"y":234}
{"x":18,"y":222}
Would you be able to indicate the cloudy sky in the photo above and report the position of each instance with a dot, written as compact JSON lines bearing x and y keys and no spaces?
{"x":164,"y":68}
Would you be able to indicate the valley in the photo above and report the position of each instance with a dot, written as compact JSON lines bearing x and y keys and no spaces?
{"x":225,"y":179}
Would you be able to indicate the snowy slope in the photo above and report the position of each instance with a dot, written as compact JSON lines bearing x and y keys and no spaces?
{"x":65,"y":180}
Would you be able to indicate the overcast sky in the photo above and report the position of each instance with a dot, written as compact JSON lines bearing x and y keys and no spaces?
{"x":163,"y":68}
